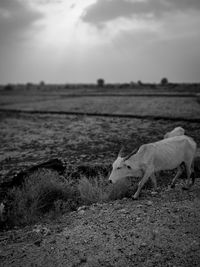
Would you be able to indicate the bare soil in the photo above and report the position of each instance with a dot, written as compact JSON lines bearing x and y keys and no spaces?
{"x":159,"y":230}
{"x":27,"y":139}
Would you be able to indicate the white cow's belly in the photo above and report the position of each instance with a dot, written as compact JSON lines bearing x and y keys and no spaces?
{"x":168,"y":158}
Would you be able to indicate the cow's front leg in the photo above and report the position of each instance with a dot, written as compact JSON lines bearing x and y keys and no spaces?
{"x":141,"y":183}
{"x":154,"y":182}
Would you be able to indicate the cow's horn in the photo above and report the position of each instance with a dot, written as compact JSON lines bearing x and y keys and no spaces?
{"x":121,"y":151}
{"x":131,"y":154}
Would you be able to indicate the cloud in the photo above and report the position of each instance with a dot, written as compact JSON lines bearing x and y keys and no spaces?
{"x":16,"y":19}
{"x":107,"y":10}
{"x":46,"y":2}
{"x":104,"y":10}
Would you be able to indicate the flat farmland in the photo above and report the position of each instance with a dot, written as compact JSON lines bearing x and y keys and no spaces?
{"x":153,"y":105}
{"x":28,"y":138}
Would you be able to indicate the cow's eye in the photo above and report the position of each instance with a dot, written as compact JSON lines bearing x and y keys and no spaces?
{"x":118,"y":168}
{"x":128,"y":167}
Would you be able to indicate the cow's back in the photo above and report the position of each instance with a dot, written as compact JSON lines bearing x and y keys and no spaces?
{"x":170,"y":153}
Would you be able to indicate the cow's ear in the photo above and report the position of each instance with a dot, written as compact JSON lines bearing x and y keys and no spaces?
{"x":121,"y":152}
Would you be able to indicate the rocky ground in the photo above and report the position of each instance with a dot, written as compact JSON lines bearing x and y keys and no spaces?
{"x":156,"y":230}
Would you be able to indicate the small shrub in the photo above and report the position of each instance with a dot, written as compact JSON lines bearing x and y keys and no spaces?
{"x":97,"y":190}
{"x":92,"y":191}
{"x":42,"y":192}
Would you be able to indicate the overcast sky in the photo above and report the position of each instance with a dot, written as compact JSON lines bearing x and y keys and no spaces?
{"x":62,"y":41}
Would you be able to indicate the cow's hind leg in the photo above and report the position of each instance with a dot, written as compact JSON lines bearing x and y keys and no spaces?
{"x":188,"y":167}
{"x":178,"y":174}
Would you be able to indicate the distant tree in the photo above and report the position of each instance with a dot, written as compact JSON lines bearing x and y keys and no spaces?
{"x":29,"y":85}
{"x":8,"y":87}
{"x":164,"y":81}
{"x":132,"y":84}
{"x":42,"y":83}
{"x":100,"y":82}
{"x":140,"y":82}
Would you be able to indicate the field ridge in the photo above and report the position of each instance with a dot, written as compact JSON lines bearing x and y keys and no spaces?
{"x":96,"y":114}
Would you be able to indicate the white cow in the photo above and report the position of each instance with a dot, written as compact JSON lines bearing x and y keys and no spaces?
{"x":166,"y":154}
{"x":176,"y":132}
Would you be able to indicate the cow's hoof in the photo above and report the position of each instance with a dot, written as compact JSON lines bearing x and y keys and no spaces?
{"x":134,"y":197}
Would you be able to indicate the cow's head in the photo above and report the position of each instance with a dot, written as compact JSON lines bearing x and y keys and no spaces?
{"x":123,"y":167}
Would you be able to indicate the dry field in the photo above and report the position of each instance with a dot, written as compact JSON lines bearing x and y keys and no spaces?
{"x":173,"y":105}
{"x":157,"y":230}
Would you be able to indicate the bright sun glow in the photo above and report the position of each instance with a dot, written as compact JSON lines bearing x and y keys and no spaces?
{"x":61,"y":25}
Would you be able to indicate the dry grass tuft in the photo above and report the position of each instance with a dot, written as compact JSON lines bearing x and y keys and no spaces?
{"x":97,"y":189}
{"x":42,"y":192}
{"x":92,"y":191}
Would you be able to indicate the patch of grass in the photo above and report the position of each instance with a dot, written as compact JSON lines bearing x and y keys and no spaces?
{"x":92,"y":190}
{"x":97,"y":189}
{"x":42,"y":192}
{"x":123,"y":188}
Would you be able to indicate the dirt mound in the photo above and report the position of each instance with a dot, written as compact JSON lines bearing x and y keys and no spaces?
{"x":160,"y":230}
